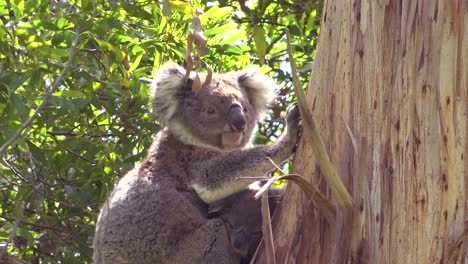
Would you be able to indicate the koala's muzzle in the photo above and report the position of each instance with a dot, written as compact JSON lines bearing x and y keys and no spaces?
{"x":235,"y":118}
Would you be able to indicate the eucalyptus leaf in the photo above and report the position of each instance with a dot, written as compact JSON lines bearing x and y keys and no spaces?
{"x":260,"y":42}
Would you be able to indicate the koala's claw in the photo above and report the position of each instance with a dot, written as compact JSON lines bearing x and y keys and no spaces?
{"x":293,"y":124}
{"x":292,"y":114}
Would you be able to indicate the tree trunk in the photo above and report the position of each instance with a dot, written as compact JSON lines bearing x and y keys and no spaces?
{"x":389,"y":94}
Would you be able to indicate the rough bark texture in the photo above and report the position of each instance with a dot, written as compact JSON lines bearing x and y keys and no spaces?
{"x":396,"y":73}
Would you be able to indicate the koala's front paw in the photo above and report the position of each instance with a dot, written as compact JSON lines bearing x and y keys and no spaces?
{"x":293,"y":118}
{"x":293,"y":115}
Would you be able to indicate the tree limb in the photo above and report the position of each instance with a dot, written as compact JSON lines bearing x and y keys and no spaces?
{"x":13,"y":231}
{"x":338,"y":189}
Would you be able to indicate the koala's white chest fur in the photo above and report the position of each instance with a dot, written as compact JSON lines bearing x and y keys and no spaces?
{"x":212,"y":195}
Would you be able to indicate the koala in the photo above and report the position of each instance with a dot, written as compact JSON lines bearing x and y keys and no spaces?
{"x":241,"y":214}
{"x":158,"y":212}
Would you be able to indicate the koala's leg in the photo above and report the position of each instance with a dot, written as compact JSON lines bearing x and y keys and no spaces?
{"x":209,"y":244}
{"x":215,"y":179}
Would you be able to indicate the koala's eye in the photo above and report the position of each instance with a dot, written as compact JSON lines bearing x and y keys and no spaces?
{"x":210,"y":110}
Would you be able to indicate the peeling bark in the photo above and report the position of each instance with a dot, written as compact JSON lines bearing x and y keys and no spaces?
{"x":397,"y":73}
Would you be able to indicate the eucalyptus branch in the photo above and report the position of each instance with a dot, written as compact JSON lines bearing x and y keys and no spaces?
{"x":80,"y":156}
{"x":35,"y":226}
{"x":13,"y":231}
{"x":46,"y":98}
{"x":244,"y":8}
{"x":338,"y":189}
{"x":72,"y":134}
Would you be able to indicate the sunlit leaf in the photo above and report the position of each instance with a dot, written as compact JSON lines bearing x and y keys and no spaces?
{"x":182,"y":6}
{"x":220,"y":30}
{"x":215,"y":13}
{"x":136,"y":62}
{"x":260,"y":42}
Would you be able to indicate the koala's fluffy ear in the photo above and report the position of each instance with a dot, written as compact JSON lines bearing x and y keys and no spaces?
{"x":167,"y":83}
{"x":260,"y":89}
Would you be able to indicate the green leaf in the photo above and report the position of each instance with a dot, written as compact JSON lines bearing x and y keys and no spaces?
{"x":4,"y":234}
{"x":18,"y":82}
{"x":62,"y":23}
{"x":57,"y":39}
{"x":311,"y":21}
{"x":260,"y":42}
{"x":35,"y":151}
{"x":215,"y":13}
{"x":4,"y":97}
{"x":24,"y":233}
{"x":295,"y":30}
{"x":135,"y":10}
{"x":19,"y":105}
{"x":220,"y":30}
{"x":166,"y":7}
{"x":136,"y":62}
{"x":68,"y":93}
{"x":182,"y":6}
{"x":261,"y":140}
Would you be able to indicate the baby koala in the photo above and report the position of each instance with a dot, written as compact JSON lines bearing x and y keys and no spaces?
{"x":241,"y":213}
{"x":158,"y":212}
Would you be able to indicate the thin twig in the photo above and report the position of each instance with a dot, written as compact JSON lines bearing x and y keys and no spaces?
{"x":80,"y":156}
{"x":267,"y":231}
{"x":250,"y":178}
{"x":13,"y":231}
{"x":276,"y":165}
{"x":71,"y":134}
{"x":46,"y":98}
{"x":33,"y":225}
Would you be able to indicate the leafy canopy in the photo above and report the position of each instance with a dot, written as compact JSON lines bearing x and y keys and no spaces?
{"x":97,"y":124}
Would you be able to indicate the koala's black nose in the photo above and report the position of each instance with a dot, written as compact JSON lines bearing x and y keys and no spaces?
{"x":236,"y":118}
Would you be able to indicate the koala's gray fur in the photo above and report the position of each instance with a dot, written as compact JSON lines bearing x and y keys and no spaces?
{"x":158,"y":212}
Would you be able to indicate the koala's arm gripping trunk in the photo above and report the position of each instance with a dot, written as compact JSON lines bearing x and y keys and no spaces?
{"x":215,"y":179}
